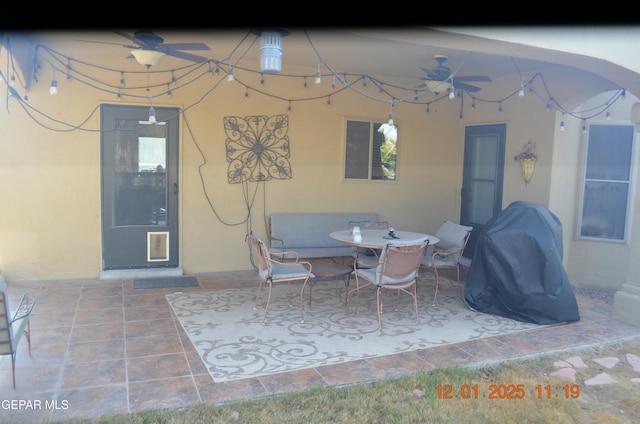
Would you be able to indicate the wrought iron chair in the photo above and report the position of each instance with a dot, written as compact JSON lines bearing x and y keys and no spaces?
{"x":14,"y":326}
{"x":397,"y":270}
{"x":272,"y":271}
{"x":448,"y":251}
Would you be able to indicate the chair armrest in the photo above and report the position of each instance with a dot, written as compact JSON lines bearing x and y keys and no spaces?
{"x":306,"y":264}
{"x":277,"y":240}
{"x":24,"y":308}
{"x":284,"y":253}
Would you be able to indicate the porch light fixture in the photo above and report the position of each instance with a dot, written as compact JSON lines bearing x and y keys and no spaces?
{"x":271,"y":48}
{"x":147,"y":57}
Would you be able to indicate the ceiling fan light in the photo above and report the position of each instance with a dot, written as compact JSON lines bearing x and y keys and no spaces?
{"x":437,"y":86}
{"x":147,"y":57}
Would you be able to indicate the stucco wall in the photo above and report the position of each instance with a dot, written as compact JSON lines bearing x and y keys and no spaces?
{"x":50,"y":221}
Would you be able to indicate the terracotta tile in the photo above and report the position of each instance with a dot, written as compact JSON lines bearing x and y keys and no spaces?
{"x":148,"y":312}
{"x":153,"y":345}
{"x":87,"y":374}
{"x":150,"y":327}
{"x":292,"y":381}
{"x":91,"y":402}
{"x":228,"y":391}
{"x":166,"y":393}
{"x":157,"y":367}
{"x":95,"y":332}
{"x":99,"y":316}
{"x":101,"y":350}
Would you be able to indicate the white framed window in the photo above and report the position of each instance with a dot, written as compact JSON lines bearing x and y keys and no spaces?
{"x":371,"y":150}
{"x":607,"y":184}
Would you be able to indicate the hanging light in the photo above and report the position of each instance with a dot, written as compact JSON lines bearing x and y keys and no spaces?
{"x":318,"y":79}
{"x":271,"y":48}
{"x":230,"y":76}
{"x":53,"y":89}
{"x":147,"y":57}
{"x":152,"y":112}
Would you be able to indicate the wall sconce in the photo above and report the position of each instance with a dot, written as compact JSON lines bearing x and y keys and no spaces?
{"x":271,"y":48}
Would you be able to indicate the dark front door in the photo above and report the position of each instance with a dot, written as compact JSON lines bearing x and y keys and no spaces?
{"x":482,"y":178}
{"x":139,"y":188}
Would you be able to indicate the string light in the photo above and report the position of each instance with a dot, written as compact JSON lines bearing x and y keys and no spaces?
{"x":152,"y":112}
{"x":562,"y":123}
{"x":53,"y":89}
{"x":385,"y":89}
{"x":318,"y":80}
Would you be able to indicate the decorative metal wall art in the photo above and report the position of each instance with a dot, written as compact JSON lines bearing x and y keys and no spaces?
{"x":257,"y":148}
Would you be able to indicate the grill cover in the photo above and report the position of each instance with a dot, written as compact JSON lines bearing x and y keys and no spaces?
{"x":517,"y":269}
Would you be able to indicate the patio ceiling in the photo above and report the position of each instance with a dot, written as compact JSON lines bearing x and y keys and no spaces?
{"x":378,"y":52}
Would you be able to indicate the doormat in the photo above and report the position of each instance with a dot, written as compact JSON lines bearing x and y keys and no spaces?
{"x":165,"y":282}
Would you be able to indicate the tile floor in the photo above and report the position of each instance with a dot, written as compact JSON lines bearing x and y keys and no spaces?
{"x":100,"y":346}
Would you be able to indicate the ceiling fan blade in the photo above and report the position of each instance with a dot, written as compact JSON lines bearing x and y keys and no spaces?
{"x":186,"y":56}
{"x":128,"y":37}
{"x":477,"y":78}
{"x":431,"y":75}
{"x":466,"y":87}
{"x":184,"y":46}
{"x":105,"y":42}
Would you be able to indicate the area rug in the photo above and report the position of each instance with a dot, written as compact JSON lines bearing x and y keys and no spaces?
{"x":165,"y":282}
{"x":233,"y":343}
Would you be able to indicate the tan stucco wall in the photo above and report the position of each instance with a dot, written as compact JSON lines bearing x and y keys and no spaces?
{"x":50,"y":221}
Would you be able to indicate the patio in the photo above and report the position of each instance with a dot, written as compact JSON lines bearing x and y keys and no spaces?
{"x":101,"y":346}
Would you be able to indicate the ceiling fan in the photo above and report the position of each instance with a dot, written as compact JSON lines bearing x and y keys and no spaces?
{"x":439,"y":78}
{"x":148,"y":48}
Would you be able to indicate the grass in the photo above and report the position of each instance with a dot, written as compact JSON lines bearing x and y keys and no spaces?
{"x":410,"y":399}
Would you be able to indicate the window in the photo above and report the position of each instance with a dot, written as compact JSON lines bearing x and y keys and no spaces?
{"x":371,"y":151}
{"x":607,"y":182}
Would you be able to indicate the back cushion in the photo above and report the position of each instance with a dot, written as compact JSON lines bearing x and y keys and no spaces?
{"x":312,"y":229}
{"x":452,"y":235}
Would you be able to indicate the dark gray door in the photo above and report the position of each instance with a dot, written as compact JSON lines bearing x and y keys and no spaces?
{"x":139,"y":188}
{"x":482,"y":178}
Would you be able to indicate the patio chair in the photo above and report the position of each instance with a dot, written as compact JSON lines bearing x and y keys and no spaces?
{"x":14,"y":325}
{"x":366,"y":257}
{"x":397,"y":270}
{"x":448,"y":251}
{"x":272,"y":271}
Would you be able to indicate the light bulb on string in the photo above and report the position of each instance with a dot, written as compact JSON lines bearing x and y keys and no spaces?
{"x":562,"y":123}
{"x":452,"y":93}
{"x":152,"y":112}
{"x":318,"y":79}
{"x":608,"y":115}
{"x":53,"y":89}
{"x":230,"y":76}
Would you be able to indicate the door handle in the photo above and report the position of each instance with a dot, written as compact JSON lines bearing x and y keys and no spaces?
{"x":175,"y":188}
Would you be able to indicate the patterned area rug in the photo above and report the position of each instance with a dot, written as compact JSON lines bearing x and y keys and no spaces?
{"x":234,"y":343}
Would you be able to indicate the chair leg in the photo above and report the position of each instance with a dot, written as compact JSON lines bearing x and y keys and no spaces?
{"x":435,"y":272}
{"x":458,"y":275}
{"x":379,"y":305}
{"x":13,"y":369}
{"x":266,"y":308}
{"x":302,"y":299}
